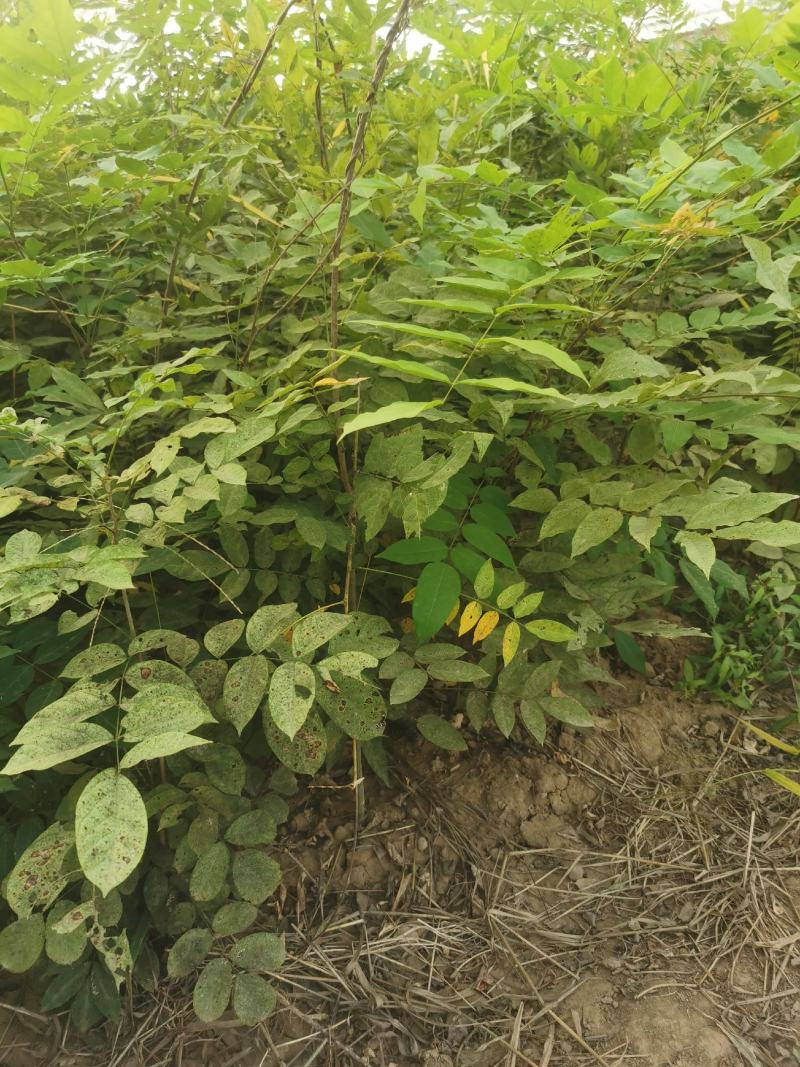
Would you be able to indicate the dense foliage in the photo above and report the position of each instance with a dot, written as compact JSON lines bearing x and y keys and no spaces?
{"x":352,"y":376}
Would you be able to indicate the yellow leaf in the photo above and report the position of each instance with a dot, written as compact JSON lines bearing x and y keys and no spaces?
{"x":407,"y":599}
{"x":453,"y":613}
{"x":65,"y":151}
{"x":510,"y":642}
{"x":335,"y":588}
{"x":472,"y":612}
{"x":164,"y":178}
{"x":187,"y":284}
{"x":784,"y":780}
{"x":342,"y":126}
{"x":254,"y":210}
{"x":406,"y":625}
{"x":776,"y":742}
{"x":485,"y":626}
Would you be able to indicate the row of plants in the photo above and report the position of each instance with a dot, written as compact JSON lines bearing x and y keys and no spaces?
{"x":351,"y":379}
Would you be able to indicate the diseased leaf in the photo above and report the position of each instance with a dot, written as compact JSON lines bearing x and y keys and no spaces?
{"x":511,"y":639}
{"x":354,"y":706}
{"x":549,"y":630}
{"x":262,"y":952}
{"x":407,"y":685}
{"x":486,"y":625}
{"x":110,"y":829}
{"x":268,"y":623}
{"x":306,"y":752}
{"x":94,"y":660}
{"x":595,"y":528}
{"x":39,"y":875}
{"x":316,"y":630}
{"x":291,"y":694}
{"x":469,"y":617}
{"x":21,"y":944}
{"x":188,"y":952}
{"x":253,"y":999}
{"x":222,"y":636}
{"x":255,"y":875}
{"x":244,"y":689}
{"x":212,"y":991}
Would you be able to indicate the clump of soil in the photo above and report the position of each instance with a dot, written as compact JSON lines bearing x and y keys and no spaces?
{"x":625,"y":896}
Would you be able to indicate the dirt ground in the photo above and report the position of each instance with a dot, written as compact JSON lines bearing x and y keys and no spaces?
{"x":627,"y":896}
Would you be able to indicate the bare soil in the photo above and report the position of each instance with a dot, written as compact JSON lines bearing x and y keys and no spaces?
{"x":628,"y":896}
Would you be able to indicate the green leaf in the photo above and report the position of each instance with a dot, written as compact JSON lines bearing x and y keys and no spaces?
{"x":188,"y":952}
{"x":441,"y":733}
{"x":402,"y":366}
{"x":437,"y":592}
{"x":57,"y":743}
{"x":262,"y":952}
{"x":94,"y":660}
{"x":355,"y":707}
{"x":533,"y":719}
{"x":39,"y":875}
{"x":512,"y":385}
{"x":244,"y":689}
{"x":255,"y":875}
{"x":222,"y":636}
{"x":548,"y":630}
{"x":400,"y":409}
{"x":504,"y":713}
{"x":426,"y":332}
{"x":699,"y":549}
{"x":493,"y":518}
{"x":234,"y":918}
{"x":316,"y":630}
{"x":210,"y":873}
{"x":785,"y":534}
{"x":484,"y":580}
{"x":737,"y":509}
{"x":567,"y":711}
{"x":268,"y":623}
{"x":63,"y":948}
{"x":630,"y":652}
{"x":772,"y":274}
{"x":527,"y":605}
{"x":487,"y":541}
{"x":415,"y":550}
{"x":456,"y":670}
{"x":543,"y":349}
{"x":82,"y":702}
{"x":253,"y":999}
{"x":21,"y":944}
{"x":643,"y":529}
{"x":407,"y":685}
{"x":163,"y":708}
{"x":291,"y":694}
{"x":110,"y":829}
{"x":510,"y":595}
{"x":255,"y":827}
{"x":163,"y":744}
{"x":212,"y":991}
{"x":595,"y":528}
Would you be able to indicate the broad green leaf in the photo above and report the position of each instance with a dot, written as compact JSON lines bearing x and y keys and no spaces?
{"x":163,"y":708}
{"x":255,"y":875}
{"x":222,"y":636}
{"x":78,"y":704}
{"x":504,"y":713}
{"x":437,"y":591}
{"x":488,"y":542}
{"x":188,"y":952}
{"x":441,"y":733}
{"x":567,"y":711}
{"x":548,"y":630}
{"x":456,"y":670}
{"x":253,"y":999}
{"x":484,"y":580}
{"x":210,"y":873}
{"x":268,"y":623}
{"x":415,"y":550}
{"x":542,"y":349}
{"x":565,"y":516}
{"x":316,"y":630}
{"x":355,"y":707}
{"x":643,"y":529}
{"x":291,"y":693}
{"x":162,"y":744}
{"x":262,"y":952}
{"x":110,"y":829}
{"x":595,"y":528}
{"x":533,"y":719}
{"x":699,"y":549}
{"x":400,"y":409}
{"x":407,"y":685}
{"x":738,"y":509}
{"x":234,"y":918}
{"x":93,"y":661}
{"x":57,"y":743}
{"x":784,"y":534}
{"x":512,"y":385}
{"x":244,"y":689}
{"x":21,"y":944}
{"x":255,"y":827}
{"x":212,"y":991}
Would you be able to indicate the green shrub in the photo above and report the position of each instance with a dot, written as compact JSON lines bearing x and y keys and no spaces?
{"x":345,"y":384}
